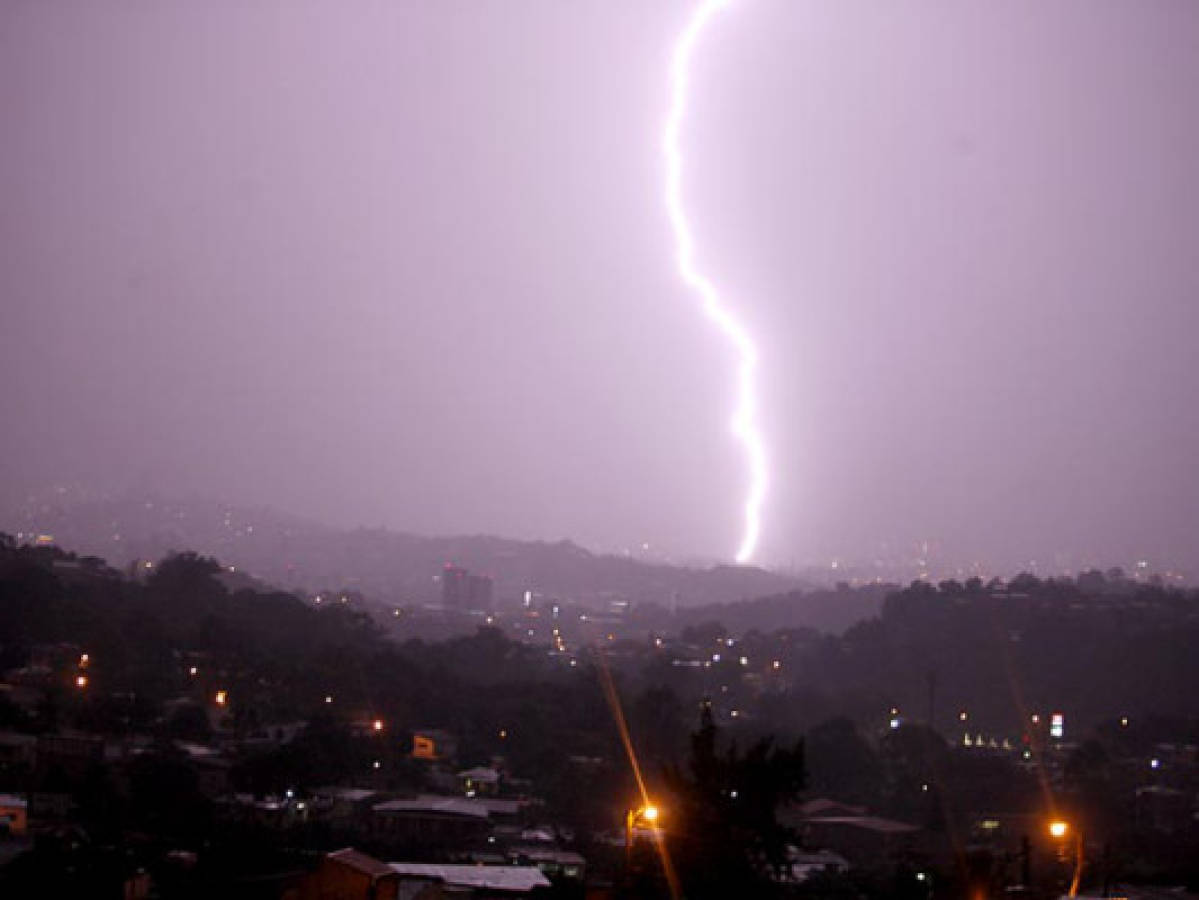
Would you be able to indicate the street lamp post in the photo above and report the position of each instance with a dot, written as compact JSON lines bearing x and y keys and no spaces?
{"x":648,"y":814}
{"x":1059,"y":830}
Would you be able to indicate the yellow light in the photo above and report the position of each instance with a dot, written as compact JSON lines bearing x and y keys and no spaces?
{"x":377,"y":724}
{"x":650,"y":814}
{"x":84,"y":659}
{"x":81,"y":681}
{"x":1058,"y":829}
{"x":221,"y":698}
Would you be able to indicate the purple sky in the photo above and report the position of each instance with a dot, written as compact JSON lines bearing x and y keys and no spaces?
{"x":408,"y":264}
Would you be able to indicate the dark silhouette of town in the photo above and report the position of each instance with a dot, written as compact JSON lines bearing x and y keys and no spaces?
{"x":175,"y":728}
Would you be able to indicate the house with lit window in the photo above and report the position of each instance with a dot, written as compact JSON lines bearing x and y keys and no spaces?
{"x":433,"y":744}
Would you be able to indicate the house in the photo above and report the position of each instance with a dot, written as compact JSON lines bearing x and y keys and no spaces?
{"x":433,"y":744}
{"x":864,"y":840}
{"x":430,"y":881}
{"x":14,"y":815}
{"x":796,"y":814}
{"x":349,"y":875}
{"x":852,"y":834}
{"x":554,"y":863}
{"x":344,"y":805}
{"x":482,"y":781}
{"x":437,"y":821}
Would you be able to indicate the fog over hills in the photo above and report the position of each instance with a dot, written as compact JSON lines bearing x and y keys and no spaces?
{"x":387,"y":566}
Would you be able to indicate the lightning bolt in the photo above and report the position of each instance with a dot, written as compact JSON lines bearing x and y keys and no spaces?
{"x":744,"y":421}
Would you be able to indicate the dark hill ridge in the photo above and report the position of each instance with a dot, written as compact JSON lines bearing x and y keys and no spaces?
{"x":388,"y":566}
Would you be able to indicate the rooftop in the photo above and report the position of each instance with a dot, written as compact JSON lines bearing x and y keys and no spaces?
{"x":368,"y":865}
{"x":448,"y":806}
{"x":492,"y":878}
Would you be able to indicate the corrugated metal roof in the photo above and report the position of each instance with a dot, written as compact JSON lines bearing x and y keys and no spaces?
{"x":492,"y":878}
{"x":446,"y":806}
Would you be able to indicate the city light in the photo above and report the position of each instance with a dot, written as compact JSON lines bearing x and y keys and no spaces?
{"x":221,"y":698}
{"x":1058,"y":829}
{"x":1057,"y":726}
{"x":744,"y":422}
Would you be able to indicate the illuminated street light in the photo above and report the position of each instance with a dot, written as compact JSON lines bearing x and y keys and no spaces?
{"x":649,"y":815}
{"x":1059,"y":830}
{"x":221,"y":698}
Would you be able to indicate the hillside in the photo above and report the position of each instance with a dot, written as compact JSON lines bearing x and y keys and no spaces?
{"x":385,"y":565}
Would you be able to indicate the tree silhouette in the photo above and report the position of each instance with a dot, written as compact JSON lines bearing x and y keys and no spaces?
{"x":725,"y":834}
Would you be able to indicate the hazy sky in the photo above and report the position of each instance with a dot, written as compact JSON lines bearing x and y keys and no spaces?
{"x":407,"y":264}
